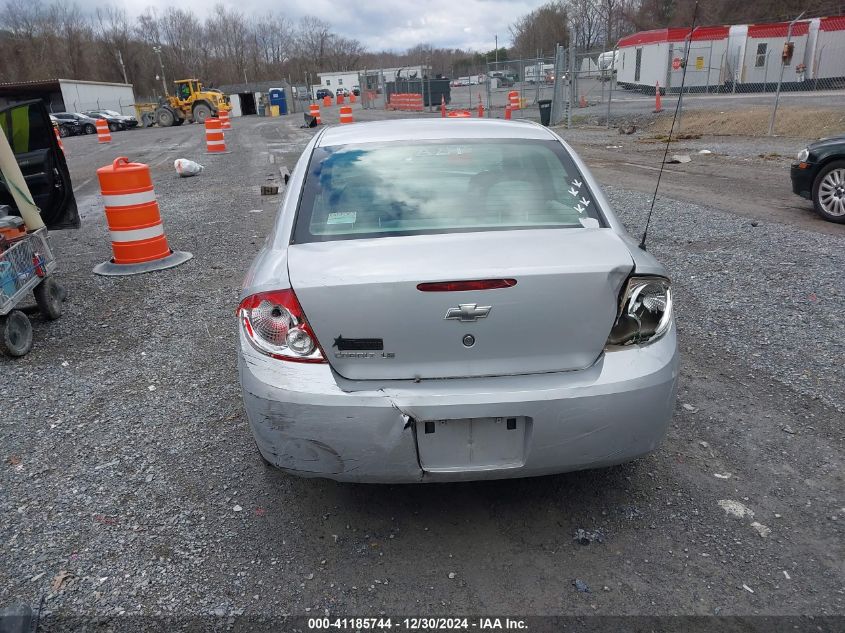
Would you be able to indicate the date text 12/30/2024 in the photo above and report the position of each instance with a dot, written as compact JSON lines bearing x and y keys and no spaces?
{"x":417,"y":624}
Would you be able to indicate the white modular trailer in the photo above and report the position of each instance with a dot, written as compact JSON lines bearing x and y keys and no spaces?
{"x":333,"y":81}
{"x":737,"y":39}
{"x":96,"y":95}
{"x":651,"y":57}
{"x":764,"y":49}
{"x":349,"y":78}
{"x":826,"y":48}
{"x":643,"y":59}
{"x":749,"y":56}
{"x":705,"y":68}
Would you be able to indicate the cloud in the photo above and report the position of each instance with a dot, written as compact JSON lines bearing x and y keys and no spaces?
{"x":381,"y":24}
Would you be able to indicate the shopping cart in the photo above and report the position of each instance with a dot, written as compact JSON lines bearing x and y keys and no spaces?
{"x":26,"y":264}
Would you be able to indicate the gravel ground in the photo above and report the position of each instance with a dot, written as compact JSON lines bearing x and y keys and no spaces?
{"x":129,"y":483}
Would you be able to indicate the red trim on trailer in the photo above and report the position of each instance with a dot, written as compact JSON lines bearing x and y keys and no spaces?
{"x":643,"y":37}
{"x":711,"y":33}
{"x":777,"y":29}
{"x":675,"y":34}
{"x":833,"y":23}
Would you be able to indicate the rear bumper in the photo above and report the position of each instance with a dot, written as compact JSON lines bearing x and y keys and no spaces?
{"x":308,"y":421}
{"x":802,"y":180}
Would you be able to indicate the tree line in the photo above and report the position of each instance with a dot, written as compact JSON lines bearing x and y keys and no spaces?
{"x":59,"y":40}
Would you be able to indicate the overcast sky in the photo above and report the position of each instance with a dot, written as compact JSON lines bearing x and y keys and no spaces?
{"x":384,"y":24}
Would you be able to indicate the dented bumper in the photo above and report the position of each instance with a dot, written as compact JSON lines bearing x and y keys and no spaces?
{"x":309,"y":421}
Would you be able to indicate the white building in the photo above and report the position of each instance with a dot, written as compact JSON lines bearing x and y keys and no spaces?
{"x":826,"y":50}
{"x":763,"y":49}
{"x":349,"y":78}
{"x":72,"y":95}
{"x":97,"y":95}
{"x":651,"y":57}
{"x":748,"y":55}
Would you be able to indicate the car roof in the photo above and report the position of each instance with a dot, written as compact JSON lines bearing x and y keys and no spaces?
{"x":432,"y":129}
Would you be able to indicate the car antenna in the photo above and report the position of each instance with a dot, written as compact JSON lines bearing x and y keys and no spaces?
{"x":672,"y":127}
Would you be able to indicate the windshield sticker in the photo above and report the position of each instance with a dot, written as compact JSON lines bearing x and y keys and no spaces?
{"x":342,"y":217}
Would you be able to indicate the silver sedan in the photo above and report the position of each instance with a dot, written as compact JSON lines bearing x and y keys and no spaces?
{"x":446,"y":300}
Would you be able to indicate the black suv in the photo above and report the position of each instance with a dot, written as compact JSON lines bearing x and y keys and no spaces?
{"x":76,"y":123}
{"x":323,"y":92}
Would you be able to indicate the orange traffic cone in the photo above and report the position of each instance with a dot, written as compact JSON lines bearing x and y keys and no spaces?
{"x":443,"y":106}
{"x":480,"y":108}
{"x":507,"y":113}
{"x":658,"y":107}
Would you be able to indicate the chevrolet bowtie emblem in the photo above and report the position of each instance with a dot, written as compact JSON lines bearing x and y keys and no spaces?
{"x":468,"y":312}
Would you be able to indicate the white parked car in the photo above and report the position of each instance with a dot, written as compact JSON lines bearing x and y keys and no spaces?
{"x":450,"y":300}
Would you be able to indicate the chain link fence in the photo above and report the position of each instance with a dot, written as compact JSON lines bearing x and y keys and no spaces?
{"x":776,"y":87}
{"x":533,"y":80}
{"x":772,"y":85}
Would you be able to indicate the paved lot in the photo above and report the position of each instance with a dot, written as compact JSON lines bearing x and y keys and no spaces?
{"x":130,"y":483}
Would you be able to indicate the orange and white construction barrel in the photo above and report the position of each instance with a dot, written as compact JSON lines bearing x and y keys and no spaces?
{"x":314,"y":110}
{"x":214,"y":141}
{"x":346,"y":114}
{"x":103,"y":134}
{"x":513,"y":99}
{"x":132,"y":214}
{"x":225,"y":123}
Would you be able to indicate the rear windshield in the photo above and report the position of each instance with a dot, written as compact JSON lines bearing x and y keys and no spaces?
{"x":411,"y":188}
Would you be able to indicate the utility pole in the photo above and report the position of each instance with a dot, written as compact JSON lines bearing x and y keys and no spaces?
{"x":780,"y":79}
{"x":157,"y":50}
{"x":122,"y":67}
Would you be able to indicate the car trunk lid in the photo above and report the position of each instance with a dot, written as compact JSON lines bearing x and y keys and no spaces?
{"x":361,"y":298}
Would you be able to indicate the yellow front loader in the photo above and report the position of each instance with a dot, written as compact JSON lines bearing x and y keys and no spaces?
{"x":190,"y":103}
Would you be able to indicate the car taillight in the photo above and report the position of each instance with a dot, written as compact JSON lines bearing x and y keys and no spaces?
{"x":275,"y":325}
{"x":645,"y":312}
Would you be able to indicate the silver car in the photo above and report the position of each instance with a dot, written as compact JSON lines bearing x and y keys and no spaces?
{"x":446,"y":300}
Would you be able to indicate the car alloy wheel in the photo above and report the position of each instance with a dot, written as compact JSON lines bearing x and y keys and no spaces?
{"x":832,"y":192}
{"x":829,"y":192}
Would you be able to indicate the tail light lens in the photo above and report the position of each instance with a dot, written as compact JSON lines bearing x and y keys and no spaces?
{"x":645,"y":312}
{"x":276,"y":326}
